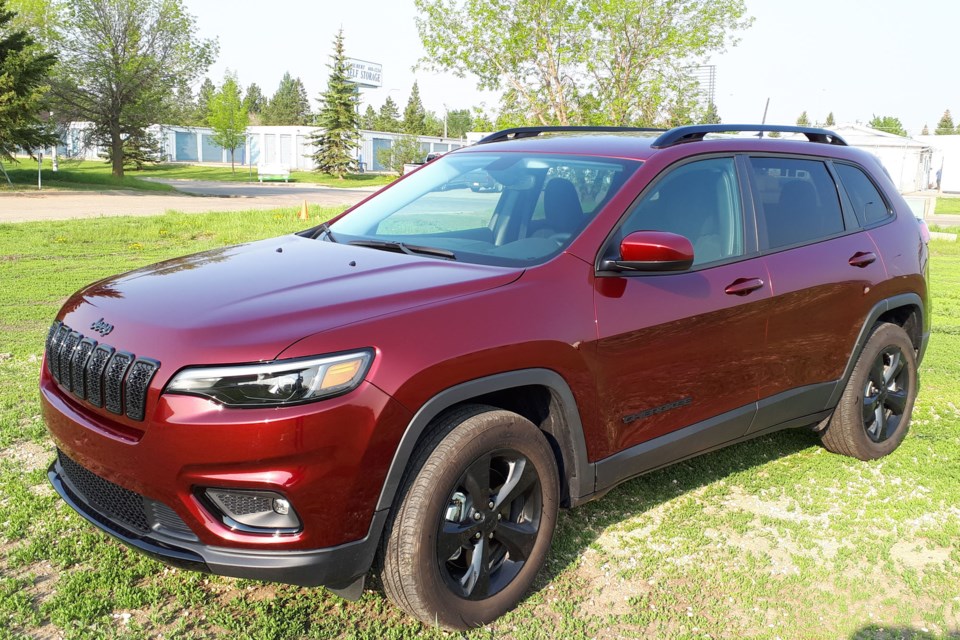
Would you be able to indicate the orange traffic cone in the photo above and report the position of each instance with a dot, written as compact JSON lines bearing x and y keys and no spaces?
{"x":304,"y":214}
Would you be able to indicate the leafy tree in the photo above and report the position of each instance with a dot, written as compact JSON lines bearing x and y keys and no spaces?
{"x":414,"y":115}
{"x":227,"y":114}
{"x":254,"y":101}
{"x":204,"y":95}
{"x":803,"y":120}
{"x":339,"y":132}
{"x":711,"y":116}
{"x":24,"y":69}
{"x":887,"y":124}
{"x":830,"y":122}
{"x":369,"y":119}
{"x":140,"y":147}
{"x":39,"y":18}
{"x":289,"y":105}
{"x":121,"y":62}
{"x":774,"y":134}
{"x":432,"y":124}
{"x":482,"y":122}
{"x":632,"y":56}
{"x":459,"y":122}
{"x":388,"y":119}
{"x":404,"y":150}
{"x":945,"y":126}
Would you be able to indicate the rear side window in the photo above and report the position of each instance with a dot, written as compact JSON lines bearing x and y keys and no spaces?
{"x":797,"y":199}
{"x":868,"y":204}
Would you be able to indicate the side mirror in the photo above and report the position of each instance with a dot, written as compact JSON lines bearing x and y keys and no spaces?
{"x":652,"y":251}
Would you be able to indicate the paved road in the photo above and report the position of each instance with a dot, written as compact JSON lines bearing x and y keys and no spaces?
{"x":220,"y":196}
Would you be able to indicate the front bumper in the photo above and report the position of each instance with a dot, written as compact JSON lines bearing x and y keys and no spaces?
{"x":335,"y":567}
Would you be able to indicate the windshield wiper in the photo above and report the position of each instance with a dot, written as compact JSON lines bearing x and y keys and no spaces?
{"x":319,"y":231}
{"x":409,"y":249}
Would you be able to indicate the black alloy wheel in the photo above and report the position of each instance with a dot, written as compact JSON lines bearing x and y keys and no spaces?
{"x":885,"y":394}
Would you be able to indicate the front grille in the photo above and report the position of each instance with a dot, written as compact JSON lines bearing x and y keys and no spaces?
{"x":98,"y":373}
{"x":113,"y":502}
{"x":110,"y":499}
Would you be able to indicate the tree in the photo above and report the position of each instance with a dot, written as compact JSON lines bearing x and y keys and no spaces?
{"x":339,"y":132}
{"x":120,"y":63}
{"x":388,"y":119}
{"x":227,"y":115}
{"x":632,"y":56}
{"x":887,"y":124}
{"x":459,"y":122}
{"x":830,"y":122}
{"x":945,"y":126}
{"x":414,"y":115}
{"x":404,"y":150}
{"x":204,"y":95}
{"x":139,"y":148}
{"x":254,"y":101}
{"x":432,"y":124}
{"x":289,"y":105}
{"x":482,"y":122}
{"x":711,"y":116}
{"x":369,"y":119}
{"x":24,"y":70}
{"x":803,"y":120}
{"x":926,"y":130}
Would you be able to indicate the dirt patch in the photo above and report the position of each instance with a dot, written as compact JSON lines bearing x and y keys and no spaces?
{"x":782,"y":509}
{"x":27,"y":456}
{"x":604,"y":592}
{"x":916,"y":556}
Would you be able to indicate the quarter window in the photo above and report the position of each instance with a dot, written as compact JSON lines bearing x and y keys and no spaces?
{"x":797,"y":200}
{"x":699,"y":200}
{"x":867,"y":202}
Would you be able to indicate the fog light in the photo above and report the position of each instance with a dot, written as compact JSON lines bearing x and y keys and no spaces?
{"x":253,"y":511}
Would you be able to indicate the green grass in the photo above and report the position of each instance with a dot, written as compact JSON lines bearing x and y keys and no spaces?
{"x":775,"y":538}
{"x":88,"y":174}
{"x":948,"y":205}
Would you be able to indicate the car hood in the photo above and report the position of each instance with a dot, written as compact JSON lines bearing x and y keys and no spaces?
{"x":249,"y":302}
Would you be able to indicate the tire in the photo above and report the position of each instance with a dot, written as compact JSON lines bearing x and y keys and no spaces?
{"x":446,"y":557}
{"x":873,"y":414}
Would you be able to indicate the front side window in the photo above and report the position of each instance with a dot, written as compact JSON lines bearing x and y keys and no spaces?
{"x":797,"y":201}
{"x":868,"y":204}
{"x":511,"y":209}
{"x":699,"y":200}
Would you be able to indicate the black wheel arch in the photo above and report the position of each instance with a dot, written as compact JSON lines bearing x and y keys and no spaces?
{"x":906,"y":310}
{"x":558,"y":419}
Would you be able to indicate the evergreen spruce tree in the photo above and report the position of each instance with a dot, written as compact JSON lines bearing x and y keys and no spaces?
{"x":23,"y":86}
{"x":207,"y":89}
{"x":711,"y":116}
{"x":388,"y":119}
{"x":830,"y":121}
{"x":369,"y":119}
{"x":339,"y":134}
{"x":289,"y":105}
{"x":254,"y":100}
{"x":803,"y":120}
{"x":414,"y":115}
{"x":945,"y":126}
{"x":926,"y":131}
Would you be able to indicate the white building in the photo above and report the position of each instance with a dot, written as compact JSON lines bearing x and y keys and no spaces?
{"x":946,"y":159}
{"x":906,"y":159}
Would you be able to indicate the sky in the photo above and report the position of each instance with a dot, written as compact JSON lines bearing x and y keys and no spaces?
{"x":852,"y":57}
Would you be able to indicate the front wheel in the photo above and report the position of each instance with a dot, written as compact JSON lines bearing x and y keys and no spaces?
{"x":475,"y":520}
{"x":873,"y":414}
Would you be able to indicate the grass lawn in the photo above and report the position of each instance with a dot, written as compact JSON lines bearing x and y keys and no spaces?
{"x":88,"y":174}
{"x":775,"y":538}
{"x":948,"y":205}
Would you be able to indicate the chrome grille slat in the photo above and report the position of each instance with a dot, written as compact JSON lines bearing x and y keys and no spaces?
{"x":116,"y":380}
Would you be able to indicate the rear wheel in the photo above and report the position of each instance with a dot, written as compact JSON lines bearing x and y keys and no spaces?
{"x":475,"y":520}
{"x":873,"y":414}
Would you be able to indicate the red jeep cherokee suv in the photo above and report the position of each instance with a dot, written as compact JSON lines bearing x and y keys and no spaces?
{"x":418,"y":386}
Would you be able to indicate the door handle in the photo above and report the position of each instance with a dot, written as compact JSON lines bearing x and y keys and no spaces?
{"x":862,"y":259}
{"x":743,"y":286}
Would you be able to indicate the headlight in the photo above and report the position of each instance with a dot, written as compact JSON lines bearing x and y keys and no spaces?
{"x":271,"y":384}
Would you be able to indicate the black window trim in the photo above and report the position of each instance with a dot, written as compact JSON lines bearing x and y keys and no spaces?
{"x":863,"y":224}
{"x":850,"y":222}
{"x":747,"y":221}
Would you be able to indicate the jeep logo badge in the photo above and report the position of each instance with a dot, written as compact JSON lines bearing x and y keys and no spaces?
{"x":101,"y":327}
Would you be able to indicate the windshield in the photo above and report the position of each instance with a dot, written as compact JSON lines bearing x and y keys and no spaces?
{"x":511,"y":209}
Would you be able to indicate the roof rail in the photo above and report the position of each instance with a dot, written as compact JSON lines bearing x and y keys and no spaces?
{"x":530,"y":132}
{"x":696,"y":132}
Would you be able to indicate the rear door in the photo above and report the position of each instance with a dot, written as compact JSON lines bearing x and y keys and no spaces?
{"x":823,"y":270}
